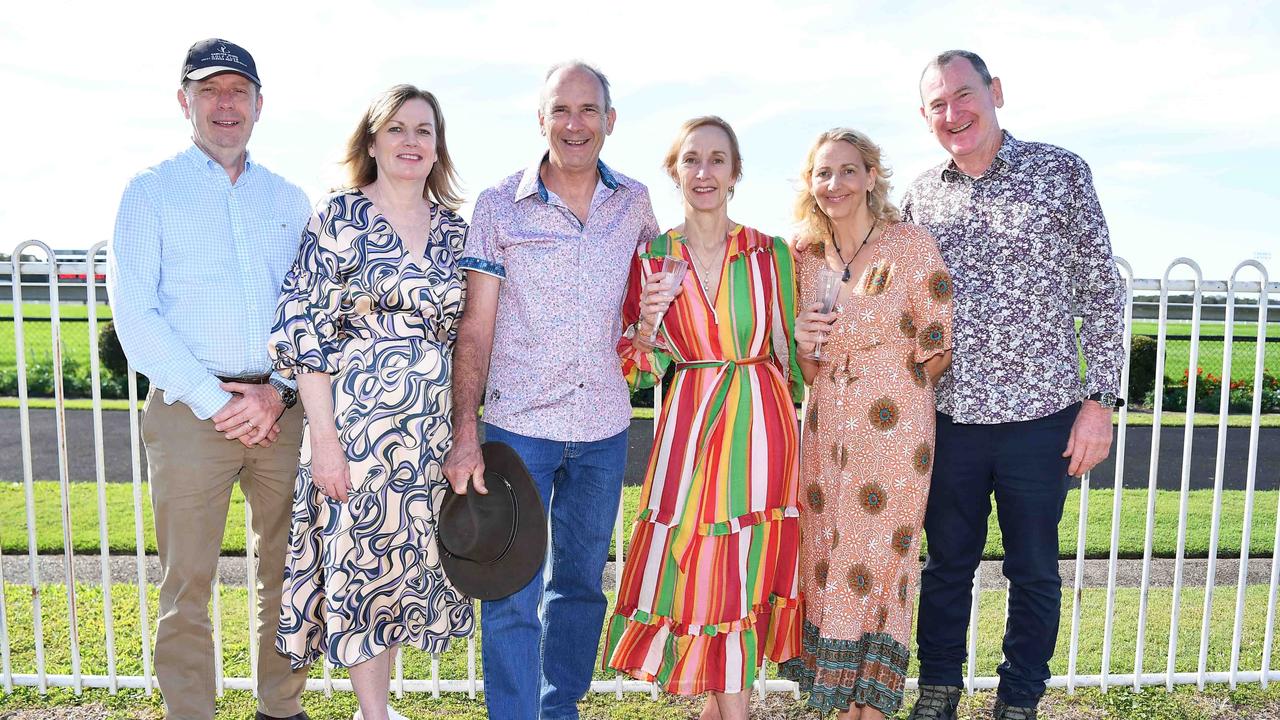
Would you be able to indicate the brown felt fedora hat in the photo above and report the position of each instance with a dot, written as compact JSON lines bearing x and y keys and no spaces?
{"x":492,"y":545}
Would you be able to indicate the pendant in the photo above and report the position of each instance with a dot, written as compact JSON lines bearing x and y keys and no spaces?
{"x":845,"y":277}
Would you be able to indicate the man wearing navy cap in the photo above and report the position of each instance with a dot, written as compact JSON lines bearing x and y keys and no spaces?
{"x":201,"y":244}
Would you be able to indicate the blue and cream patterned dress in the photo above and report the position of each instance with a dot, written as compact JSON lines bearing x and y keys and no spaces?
{"x":364,"y":575}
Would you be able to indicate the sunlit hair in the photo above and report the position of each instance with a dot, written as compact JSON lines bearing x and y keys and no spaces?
{"x":442,"y":182}
{"x":673,"y":152}
{"x":944,"y":59}
{"x":575,"y":65}
{"x":811,"y":219}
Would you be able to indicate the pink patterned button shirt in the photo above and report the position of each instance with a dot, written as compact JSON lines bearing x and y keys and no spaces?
{"x":554,"y":371}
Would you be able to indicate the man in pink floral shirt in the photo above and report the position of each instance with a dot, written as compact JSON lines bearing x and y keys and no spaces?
{"x":547,"y":257}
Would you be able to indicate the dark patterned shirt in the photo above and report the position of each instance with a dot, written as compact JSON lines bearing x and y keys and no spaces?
{"x":1028,"y":250}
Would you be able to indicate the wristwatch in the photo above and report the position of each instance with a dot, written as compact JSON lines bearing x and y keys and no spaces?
{"x":1107,"y":400}
{"x":288,"y":395}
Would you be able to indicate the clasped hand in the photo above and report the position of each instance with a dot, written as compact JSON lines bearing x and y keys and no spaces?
{"x":250,"y":415}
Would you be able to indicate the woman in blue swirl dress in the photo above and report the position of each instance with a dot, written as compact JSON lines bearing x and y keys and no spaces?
{"x":366,"y":323}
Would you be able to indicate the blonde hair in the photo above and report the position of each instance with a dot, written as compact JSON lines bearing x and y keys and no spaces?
{"x":442,"y":182}
{"x":673,"y":152}
{"x":815,"y":223}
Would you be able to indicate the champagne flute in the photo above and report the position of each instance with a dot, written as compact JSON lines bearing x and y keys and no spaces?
{"x":675,"y":268}
{"x":826,"y":292}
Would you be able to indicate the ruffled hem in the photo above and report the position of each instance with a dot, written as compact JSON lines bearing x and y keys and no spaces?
{"x":839,"y":674}
{"x":689,"y":659}
{"x":319,"y":646}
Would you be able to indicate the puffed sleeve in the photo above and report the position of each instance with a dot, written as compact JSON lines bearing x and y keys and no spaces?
{"x":306,"y":335}
{"x":784,"y":325}
{"x":929,"y":297}
{"x":641,"y":369}
{"x":455,"y":231}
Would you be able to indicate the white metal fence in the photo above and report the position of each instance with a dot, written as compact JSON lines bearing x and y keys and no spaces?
{"x":1114,"y":671}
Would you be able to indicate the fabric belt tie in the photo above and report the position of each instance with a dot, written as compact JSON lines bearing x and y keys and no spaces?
{"x":693,"y":476}
{"x":246,"y":379}
{"x":702,"y":364}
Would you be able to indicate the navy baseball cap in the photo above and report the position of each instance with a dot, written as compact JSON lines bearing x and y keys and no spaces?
{"x":215,"y":55}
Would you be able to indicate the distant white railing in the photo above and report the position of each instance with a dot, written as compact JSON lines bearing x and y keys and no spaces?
{"x":91,"y":266}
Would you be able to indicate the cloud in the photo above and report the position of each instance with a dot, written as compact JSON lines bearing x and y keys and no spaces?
{"x":1130,"y":88}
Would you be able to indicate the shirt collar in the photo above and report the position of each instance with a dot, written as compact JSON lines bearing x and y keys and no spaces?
{"x":201,"y":159}
{"x":1007,"y":156}
{"x":531,"y":183}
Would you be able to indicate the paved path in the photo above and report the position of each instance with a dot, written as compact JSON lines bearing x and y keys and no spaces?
{"x":81,"y":456}
{"x":123,"y":568}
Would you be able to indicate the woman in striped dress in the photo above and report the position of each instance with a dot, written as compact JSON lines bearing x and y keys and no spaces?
{"x":709,"y":589}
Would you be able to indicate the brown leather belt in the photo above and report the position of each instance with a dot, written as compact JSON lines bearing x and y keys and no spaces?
{"x":247,"y":379}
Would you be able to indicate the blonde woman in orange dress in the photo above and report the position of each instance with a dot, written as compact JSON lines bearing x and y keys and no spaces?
{"x":867,"y":443}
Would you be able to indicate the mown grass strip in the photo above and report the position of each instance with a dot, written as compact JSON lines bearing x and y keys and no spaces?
{"x":1153,"y":703}
{"x":84,"y":530}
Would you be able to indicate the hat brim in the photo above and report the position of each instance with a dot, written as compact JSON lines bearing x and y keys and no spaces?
{"x":511,"y":572}
{"x":208,"y":72}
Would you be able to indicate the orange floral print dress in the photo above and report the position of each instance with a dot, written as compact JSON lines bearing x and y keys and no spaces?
{"x":866,"y":459}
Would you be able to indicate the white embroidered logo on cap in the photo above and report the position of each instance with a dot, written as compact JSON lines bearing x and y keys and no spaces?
{"x":223,"y":56}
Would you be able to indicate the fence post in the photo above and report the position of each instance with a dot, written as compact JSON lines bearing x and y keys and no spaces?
{"x":24,"y":424}
{"x":100,"y":467}
{"x":1185,"y":489}
{"x":1118,"y":480}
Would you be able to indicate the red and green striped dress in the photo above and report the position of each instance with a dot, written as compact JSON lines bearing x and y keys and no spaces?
{"x":710,"y":587}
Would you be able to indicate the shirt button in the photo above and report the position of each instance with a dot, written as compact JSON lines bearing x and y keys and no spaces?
{"x":581,"y":385}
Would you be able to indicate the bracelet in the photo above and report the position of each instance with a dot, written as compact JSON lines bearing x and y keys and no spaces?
{"x":632,"y":331}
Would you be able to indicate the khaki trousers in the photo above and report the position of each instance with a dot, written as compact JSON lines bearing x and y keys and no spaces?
{"x":192,"y":468}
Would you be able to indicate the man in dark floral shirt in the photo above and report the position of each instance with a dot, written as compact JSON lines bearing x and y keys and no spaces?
{"x":1020,"y":228}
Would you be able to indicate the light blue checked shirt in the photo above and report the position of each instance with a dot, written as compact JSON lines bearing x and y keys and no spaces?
{"x":194,"y":272}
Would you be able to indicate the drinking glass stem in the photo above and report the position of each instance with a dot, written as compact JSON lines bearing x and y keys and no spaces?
{"x":654,"y":335}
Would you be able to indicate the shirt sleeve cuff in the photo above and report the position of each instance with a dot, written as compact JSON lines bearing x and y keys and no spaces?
{"x":1095,"y":385}
{"x":206,"y":399}
{"x":275,"y":375}
{"x":484,"y":266}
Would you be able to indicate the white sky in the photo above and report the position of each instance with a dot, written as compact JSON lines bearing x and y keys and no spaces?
{"x":1174,"y":105}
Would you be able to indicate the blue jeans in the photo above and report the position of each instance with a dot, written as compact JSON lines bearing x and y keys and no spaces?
{"x":539,"y":648}
{"x":1020,"y":463}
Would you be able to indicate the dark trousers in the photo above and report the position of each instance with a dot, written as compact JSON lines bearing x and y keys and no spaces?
{"x":1022,"y":464}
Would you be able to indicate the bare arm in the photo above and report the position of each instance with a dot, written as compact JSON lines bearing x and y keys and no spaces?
{"x":470,"y":372}
{"x":329,"y":470}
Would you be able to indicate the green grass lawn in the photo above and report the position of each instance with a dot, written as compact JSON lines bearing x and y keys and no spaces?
{"x":76,"y":343}
{"x":37,"y":335}
{"x":1120,"y":702}
{"x":1243,"y":347}
{"x":120,"y":524}
{"x":1168,"y":418}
